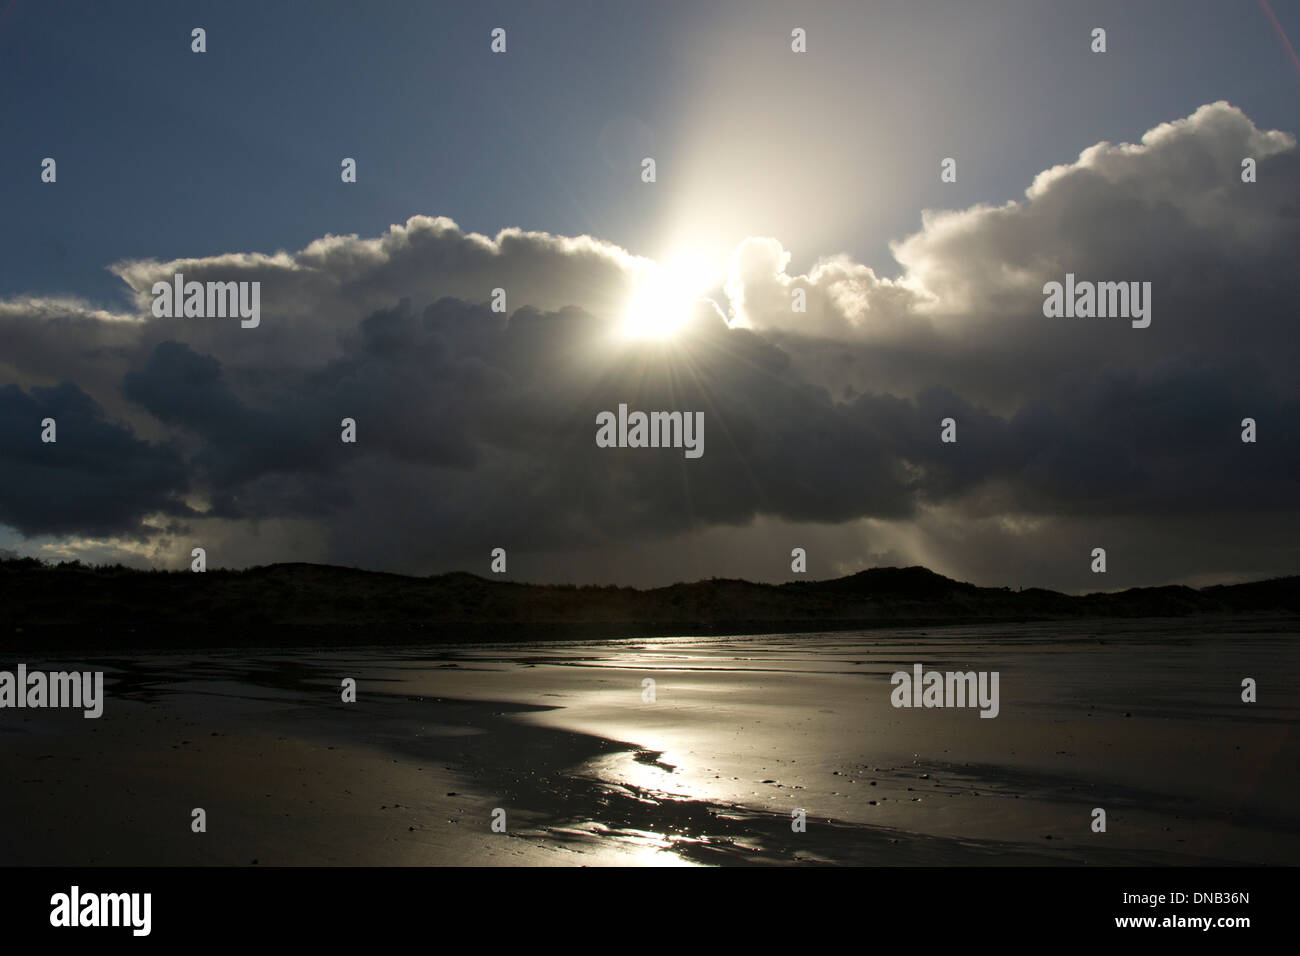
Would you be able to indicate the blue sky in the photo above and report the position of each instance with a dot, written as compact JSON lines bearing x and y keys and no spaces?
{"x":165,"y":153}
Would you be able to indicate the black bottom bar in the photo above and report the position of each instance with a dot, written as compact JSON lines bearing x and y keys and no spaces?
{"x":307,"y":905}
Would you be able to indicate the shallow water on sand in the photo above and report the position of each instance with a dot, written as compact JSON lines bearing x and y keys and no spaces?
{"x":740,"y":736}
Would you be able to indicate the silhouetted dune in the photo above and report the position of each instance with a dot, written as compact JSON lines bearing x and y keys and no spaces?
{"x":114,"y":607}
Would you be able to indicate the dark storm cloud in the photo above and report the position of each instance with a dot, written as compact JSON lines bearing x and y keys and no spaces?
{"x":96,"y":478}
{"x":477,"y":429}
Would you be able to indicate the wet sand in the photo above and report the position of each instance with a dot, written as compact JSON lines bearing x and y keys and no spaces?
{"x":1143,"y":719}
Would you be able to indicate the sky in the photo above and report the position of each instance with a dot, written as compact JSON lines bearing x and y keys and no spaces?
{"x":775,"y":171}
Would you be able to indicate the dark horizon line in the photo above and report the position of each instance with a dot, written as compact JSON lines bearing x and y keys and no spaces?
{"x":914,"y":569}
{"x":116,"y":608}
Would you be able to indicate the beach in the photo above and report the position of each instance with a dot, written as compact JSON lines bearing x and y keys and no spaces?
{"x":762,"y":749}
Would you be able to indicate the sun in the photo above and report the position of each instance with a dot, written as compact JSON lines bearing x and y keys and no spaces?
{"x":658,"y":309}
{"x":665,"y":297}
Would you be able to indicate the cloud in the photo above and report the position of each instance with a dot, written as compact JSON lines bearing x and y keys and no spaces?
{"x":95,"y":478}
{"x":476,"y":428}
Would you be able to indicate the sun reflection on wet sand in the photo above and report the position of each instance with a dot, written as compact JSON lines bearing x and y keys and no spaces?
{"x":770,"y":724}
{"x":739,"y":736}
